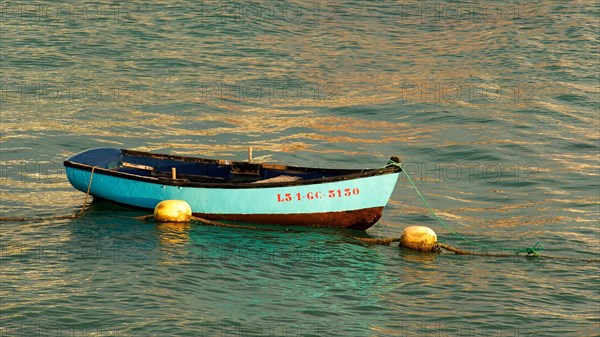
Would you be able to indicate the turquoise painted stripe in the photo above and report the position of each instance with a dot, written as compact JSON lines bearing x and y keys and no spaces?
{"x":328,"y":197}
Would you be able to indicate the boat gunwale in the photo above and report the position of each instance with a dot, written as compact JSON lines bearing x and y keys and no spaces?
{"x":229,"y":185}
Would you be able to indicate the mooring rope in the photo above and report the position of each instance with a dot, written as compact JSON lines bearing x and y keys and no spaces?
{"x":221,"y":224}
{"x":458,"y":251}
{"x":87,"y":193}
{"x":379,"y":241}
{"x":529,"y":250}
{"x":58,"y":217}
{"x":211,"y":223}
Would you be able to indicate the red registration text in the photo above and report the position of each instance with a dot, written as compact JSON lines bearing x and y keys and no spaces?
{"x":318,"y":195}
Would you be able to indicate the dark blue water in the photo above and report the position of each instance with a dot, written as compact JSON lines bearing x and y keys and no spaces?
{"x":494,"y":109}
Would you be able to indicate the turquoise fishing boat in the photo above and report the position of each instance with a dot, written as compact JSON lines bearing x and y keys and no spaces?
{"x":236,"y":190}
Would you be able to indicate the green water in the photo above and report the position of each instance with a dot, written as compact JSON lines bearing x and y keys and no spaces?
{"x":494,"y":109}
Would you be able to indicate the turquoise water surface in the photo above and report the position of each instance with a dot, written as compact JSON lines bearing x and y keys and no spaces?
{"x":493,"y":107}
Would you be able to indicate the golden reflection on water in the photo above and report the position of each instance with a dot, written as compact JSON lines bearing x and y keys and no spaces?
{"x":173,"y":237}
{"x":173,"y":234}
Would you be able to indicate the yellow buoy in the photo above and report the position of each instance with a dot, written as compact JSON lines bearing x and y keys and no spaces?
{"x":420,"y":238}
{"x":172,"y":211}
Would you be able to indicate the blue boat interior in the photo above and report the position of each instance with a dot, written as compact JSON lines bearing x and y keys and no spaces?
{"x":195,"y":169}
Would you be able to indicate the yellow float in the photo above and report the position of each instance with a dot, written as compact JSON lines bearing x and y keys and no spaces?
{"x":172,"y":211}
{"x":419,"y":238}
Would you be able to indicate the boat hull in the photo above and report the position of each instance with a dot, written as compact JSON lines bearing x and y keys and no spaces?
{"x":351,"y":203}
{"x":355,"y":219}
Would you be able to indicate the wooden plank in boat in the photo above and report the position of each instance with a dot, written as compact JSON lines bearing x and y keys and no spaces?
{"x":137,"y":166}
{"x":278,"y":179}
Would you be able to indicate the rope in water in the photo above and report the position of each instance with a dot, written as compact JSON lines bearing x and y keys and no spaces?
{"x":532,"y":251}
{"x":58,"y":217}
{"x":87,"y":193}
{"x":211,"y":223}
{"x":529,"y":250}
{"x":458,"y":251}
